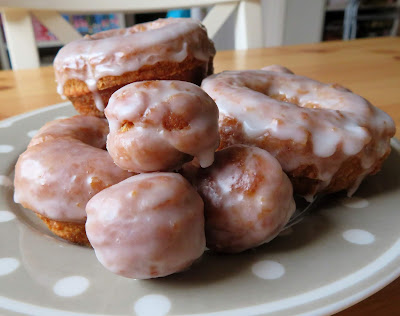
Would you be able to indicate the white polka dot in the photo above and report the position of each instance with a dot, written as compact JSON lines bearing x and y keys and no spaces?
{"x":71,"y":286}
{"x":268,"y":269}
{"x":358,"y":236}
{"x":6,"y":148}
{"x":355,"y":202}
{"x":286,"y":232}
{"x":5,"y":181}
{"x":32,"y":133}
{"x":6,"y":216}
{"x":8,"y":265}
{"x":152,"y":305}
{"x":5,"y":124}
{"x":61,"y":117}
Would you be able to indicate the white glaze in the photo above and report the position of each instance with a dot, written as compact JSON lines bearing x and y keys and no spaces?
{"x":64,"y":166}
{"x":115,"y":52}
{"x":148,"y":144}
{"x":277,"y":68}
{"x":247,"y":197}
{"x":88,"y":129}
{"x":58,"y":177}
{"x":343,"y":124}
{"x":147,"y":226}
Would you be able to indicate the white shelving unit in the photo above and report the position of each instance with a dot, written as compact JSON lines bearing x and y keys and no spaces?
{"x":4,"y":59}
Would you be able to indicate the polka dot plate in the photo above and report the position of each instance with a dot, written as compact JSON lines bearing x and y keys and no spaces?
{"x":343,"y":251}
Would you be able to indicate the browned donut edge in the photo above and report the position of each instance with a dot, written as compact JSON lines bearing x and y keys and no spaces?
{"x":343,"y":179}
{"x":304,"y":178}
{"x":191,"y":70}
{"x":70,"y":231}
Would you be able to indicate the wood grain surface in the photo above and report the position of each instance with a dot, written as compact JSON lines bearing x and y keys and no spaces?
{"x":369,"y":67}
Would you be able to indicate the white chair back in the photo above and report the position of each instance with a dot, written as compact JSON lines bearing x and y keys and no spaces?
{"x":20,"y":37}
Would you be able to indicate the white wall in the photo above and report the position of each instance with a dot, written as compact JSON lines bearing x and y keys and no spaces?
{"x":304,"y":21}
{"x":285,"y":22}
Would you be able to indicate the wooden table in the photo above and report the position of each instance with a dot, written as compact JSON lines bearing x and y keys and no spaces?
{"x":369,"y":67}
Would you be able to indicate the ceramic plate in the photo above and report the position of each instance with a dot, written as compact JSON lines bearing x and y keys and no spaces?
{"x":343,"y":251}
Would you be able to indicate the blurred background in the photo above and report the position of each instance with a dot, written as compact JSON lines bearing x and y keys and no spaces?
{"x":303,"y":21}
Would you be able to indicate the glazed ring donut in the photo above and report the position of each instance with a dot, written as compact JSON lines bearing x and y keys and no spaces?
{"x":326,"y":138}
{"x":59,"y":173}
{"x":159,"y":125}
{"x":248,"y":199}
{"x":88,"y":129}
{"x":89,"y":70}
{"x":155,"y":229}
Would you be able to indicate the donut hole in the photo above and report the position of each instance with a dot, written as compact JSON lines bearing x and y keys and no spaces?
{"x":247,"y":198}
{"x":155,"y":229}
{"x":284,"y":98}
{"x":294,"y":100}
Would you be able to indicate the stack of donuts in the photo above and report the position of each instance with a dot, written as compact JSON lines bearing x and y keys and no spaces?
{"x":155,"y":168}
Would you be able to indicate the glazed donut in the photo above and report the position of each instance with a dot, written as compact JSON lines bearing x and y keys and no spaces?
{"x":58,"y":174}
{"x":248,"y":199}
{"x":89,"y":70}
{"x":159,"y":125}
{"x":88,"y":129}
{"x":155,"y":229}
{"x":325,"y":137}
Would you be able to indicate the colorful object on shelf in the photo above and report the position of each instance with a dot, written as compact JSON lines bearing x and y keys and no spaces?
{"x":84,"y":24}
{"x":90,"y":24}
{"x":42,"y":34}
{"x":178,"y":14}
